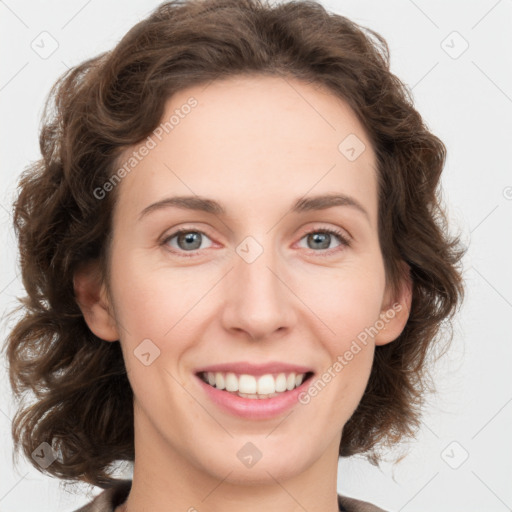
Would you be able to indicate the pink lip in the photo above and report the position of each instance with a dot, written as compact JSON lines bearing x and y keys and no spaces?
{"x":254,"y":369}
{"x":254,"y":409}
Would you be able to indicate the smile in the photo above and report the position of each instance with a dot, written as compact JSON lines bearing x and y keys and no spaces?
{"x":260,"y":403}
{"x":254,"y":387}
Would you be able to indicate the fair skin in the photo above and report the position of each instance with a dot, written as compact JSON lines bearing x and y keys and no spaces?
{"x":255,"y":145}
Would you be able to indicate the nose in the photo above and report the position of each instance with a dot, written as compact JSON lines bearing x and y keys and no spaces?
{"x":258,"y":298}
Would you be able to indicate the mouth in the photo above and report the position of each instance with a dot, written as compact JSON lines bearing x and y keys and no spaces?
{"x":255,"y":387}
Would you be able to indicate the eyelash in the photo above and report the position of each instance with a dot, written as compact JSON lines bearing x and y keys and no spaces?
{"x":345,"y":242}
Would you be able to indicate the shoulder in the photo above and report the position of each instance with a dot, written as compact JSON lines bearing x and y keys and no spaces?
{"x":112,"y":497}
{"x":352,"y":505}
{"x":108,"y":499}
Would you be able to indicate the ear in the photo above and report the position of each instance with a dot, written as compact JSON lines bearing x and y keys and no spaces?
{"x":395,"y":310}
{"x":92,"y":298}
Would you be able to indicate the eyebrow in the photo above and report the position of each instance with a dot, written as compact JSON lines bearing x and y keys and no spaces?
{"x":204,"y":204}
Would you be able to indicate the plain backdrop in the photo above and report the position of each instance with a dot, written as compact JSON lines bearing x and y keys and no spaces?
{"x":455,"y":57}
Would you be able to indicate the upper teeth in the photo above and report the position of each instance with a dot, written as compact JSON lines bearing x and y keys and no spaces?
{"x":263,"y":385}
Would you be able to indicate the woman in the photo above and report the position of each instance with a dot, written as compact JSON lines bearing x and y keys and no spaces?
{"x":236,"y":372}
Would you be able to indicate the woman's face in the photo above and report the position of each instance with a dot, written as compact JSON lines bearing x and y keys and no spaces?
{"x":248,"y":284}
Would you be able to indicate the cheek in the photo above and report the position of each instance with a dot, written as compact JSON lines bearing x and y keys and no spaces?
{"x":350,"y":306}
{"x":347,"y":300}
{"x":151,"y":301}
{"x":351,"y":309}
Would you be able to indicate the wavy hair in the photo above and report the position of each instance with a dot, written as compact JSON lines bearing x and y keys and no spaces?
{"x":82,"y":400}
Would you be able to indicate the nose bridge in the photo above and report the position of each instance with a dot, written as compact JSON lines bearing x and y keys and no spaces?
{"x":257,"y":299}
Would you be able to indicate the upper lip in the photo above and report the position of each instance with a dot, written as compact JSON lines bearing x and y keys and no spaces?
{"x":254,"y":369}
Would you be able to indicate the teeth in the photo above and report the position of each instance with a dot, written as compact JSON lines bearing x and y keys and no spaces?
{"x":249,"y":386}
{"x":231,"y":382}
{"x":256,"y":396}
{"x":218,"y":380}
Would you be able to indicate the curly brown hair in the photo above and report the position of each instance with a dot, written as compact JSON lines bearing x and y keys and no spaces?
{"x":83,"y":407}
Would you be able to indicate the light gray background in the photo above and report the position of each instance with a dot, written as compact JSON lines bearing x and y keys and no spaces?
{"x":466,"y":100}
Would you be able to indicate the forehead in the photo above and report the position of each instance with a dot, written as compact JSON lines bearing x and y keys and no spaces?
{"x":252,"y":140}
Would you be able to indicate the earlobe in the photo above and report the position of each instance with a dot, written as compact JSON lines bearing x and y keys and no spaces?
{"x":91,"y":297}
{"x":395,"y":313}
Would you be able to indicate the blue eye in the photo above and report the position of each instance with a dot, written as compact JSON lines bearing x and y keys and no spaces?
{"x":323,"y":241}
{"x":186,"y":239}
{"x":189,"y":240}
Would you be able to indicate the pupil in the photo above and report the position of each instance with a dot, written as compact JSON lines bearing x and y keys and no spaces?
{"x":326,"y":239}
{"x":189,"y":237}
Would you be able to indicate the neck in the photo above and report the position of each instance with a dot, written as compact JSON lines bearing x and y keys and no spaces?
{"x":167,"y":478}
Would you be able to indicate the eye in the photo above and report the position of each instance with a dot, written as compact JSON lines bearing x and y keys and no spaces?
{"x":322,"y":238}
{"x":187,"y":240}
{"x":190,"y":240}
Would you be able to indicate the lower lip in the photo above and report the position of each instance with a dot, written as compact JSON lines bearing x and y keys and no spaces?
{"x":254,"y":408}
